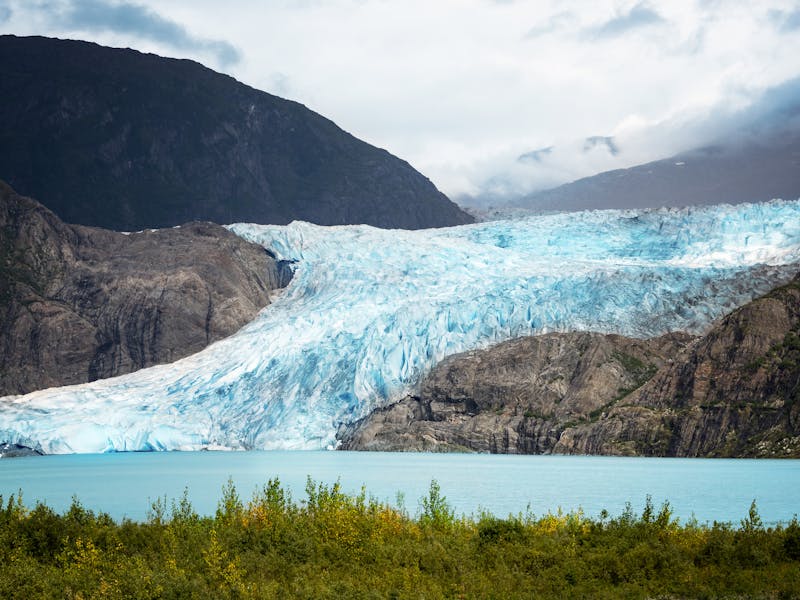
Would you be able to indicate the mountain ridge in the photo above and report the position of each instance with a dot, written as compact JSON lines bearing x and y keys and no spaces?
{"x":751,"y":170}
{"x":124,"y":140}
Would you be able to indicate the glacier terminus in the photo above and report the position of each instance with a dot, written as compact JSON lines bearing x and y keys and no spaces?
{"x":370,"y":311}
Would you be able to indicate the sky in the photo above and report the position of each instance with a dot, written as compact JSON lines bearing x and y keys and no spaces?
{"x":487,"y":98}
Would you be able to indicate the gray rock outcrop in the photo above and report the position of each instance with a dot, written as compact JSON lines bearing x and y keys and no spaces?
{"x":736,"y":392}
{"x":515,"y":397}
{"x":81,"y":303}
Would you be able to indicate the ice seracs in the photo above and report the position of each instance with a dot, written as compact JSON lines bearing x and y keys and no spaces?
{"x":369,"y":311}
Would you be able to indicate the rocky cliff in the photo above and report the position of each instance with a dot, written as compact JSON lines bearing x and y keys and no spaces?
{"x":733,"y":392}
{"x":80,"y":303}
{"x":516,"y":397}
{"x":736,"y":392}
{"x":124,"y":140}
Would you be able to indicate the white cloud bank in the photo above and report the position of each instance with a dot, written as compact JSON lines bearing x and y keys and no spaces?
{"x":462,"y":88}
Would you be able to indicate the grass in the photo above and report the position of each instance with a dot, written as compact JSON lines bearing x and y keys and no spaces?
{"x":334,"y":545}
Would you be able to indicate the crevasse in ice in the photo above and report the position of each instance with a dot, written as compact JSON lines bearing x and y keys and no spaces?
{"x":370,"y":311}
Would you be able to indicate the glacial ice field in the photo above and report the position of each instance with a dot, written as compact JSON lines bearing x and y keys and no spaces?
{"x":370,"y":311}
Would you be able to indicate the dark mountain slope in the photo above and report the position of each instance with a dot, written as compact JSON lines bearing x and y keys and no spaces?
{"x":124,"y":140}
{"x":745,"y":172}
{"x":80,"y":303}
{"x":733,"y":392}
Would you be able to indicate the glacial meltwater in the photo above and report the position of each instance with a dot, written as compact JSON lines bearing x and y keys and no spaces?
{"x":126,"y":484}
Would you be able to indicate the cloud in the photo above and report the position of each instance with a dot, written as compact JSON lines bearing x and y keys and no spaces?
{"x":5,"y":14}
{"x":660,"y":76}
{"x":601,"y":141}
{"x":641,"y":15}
{"x":776,"y":110}
{"x":555,"y":23}
{"x":695,"y":42}
{"x":140,"y":21}
{"x":768,"y":115}
{"x":786,"y":21}
{"x":535,"y":156}
{"x":279,"y":84}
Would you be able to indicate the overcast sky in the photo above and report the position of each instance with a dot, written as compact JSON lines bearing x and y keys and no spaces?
{"x":481,"y":96}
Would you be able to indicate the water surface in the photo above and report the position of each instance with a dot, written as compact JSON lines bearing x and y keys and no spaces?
{"x":125,"y":484}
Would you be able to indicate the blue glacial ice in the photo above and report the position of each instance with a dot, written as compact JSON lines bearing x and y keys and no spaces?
{"x":370,"y":311}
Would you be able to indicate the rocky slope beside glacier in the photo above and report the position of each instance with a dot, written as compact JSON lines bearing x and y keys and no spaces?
{"x":515,"y":397}
{"x":733,"y":392}
{"x":736,"y":392}
{"x":80,"y":303}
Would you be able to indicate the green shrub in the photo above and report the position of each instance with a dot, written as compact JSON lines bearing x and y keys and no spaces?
{"x":337,"y":545}
{"x":791,"y":540}
{"x":436,"y":512}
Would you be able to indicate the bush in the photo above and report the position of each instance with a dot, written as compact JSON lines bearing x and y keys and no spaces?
{"x":334,"y":544}
{"x":436,"y":512}
{"x":791,"y":540}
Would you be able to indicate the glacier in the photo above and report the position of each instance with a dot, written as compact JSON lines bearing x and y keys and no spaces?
{"x":369,"y":312}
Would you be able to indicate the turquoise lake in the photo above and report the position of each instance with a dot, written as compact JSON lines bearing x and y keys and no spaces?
{"x":125,"y":484}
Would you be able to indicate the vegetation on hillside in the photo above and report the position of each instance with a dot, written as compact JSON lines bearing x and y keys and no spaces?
{"x":334,"y":545}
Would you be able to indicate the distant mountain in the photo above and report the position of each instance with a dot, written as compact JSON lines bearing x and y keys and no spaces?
{"x":124,"y":140}
{"x":751,"y":171}
{"x":81,"y":303}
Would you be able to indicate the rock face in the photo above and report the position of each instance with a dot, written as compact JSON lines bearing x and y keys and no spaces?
{"x":80,"y":303}
{"x":119,"y":139}
{"x":16,"y":451}
{"x":515,"y":397}
{"x":733,"y":392}
{"x":736,"y":392}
